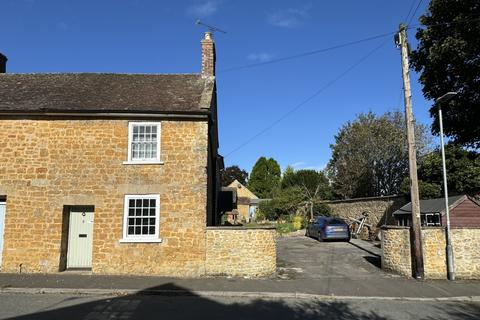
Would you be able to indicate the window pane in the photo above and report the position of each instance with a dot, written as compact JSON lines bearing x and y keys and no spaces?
{"x":135,"y":129}
{"x":141,"y":218}
{"x":154,"y":129}
{"x":147,"y":129}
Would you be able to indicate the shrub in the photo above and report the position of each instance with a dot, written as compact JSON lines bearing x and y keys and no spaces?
{"x":297,"y":222}
{"x":283,"y":228}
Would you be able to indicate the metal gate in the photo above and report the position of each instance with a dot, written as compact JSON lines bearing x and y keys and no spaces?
{"x":80,"y":240}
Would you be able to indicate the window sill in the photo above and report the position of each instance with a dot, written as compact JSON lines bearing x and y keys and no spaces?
{"x":144,"y":162}
{"x":158,"y":240}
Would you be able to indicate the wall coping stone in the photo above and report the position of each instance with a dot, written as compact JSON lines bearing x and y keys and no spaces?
{"x":364,"y":199}
{"x":387,"y":227}
{"x":240,"y":228}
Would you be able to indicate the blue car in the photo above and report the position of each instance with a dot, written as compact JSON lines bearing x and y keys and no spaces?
{"x":328,"y":228}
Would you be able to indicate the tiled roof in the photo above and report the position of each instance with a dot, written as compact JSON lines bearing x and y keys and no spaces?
{"x":105,"y":92}
{"x":430,"y":205}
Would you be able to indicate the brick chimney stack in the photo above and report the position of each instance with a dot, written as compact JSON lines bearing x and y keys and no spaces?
{"x":208,"y":55}
{"x":3,"y":63}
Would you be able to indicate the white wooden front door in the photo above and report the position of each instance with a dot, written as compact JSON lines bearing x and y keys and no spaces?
{"x":80,"y":240}
{"x":2,"y":227}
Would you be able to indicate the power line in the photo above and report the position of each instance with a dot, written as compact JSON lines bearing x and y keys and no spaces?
{"x":443,"y":23}
{"x":311,"y":97}
{"x":347,"y":44}
{"x":415,"y":12}
{"x":410,"y":10}
{"x":309,"y":53}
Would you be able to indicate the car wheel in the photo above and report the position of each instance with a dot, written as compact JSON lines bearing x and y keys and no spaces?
{"x":307,"y":233}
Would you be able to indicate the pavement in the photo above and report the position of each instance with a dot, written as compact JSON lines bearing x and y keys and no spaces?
{"x":307,"y":268}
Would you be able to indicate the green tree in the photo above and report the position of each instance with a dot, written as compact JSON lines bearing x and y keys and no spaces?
{"x":288,"y":201}
{"x":370,"y":156}
{"x":233,"y":173}
{"x":448,"y":59}
{"x":426,"y":190}
{"x":315,"y":183}
{"x":265,"y":177}
{"x":463,"y":169}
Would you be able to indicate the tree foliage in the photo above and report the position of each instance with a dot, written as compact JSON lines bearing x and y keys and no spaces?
{"x":448,"y":59}
{"x":314,"y":183}
{"x":370,"y":155}
{"x":233,"y":173}
{"x":265,"y":177}
{"x":463,"y":169}
{"x":288,"y":201}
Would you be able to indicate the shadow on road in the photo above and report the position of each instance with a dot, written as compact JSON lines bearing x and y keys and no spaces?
{"x":374,"y":260}
{"x":186,"y":305}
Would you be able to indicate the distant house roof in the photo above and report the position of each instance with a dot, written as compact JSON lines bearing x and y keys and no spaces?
{"x":432,"y":205}
{"x":242,"y":191}
{"x":105,"y":92}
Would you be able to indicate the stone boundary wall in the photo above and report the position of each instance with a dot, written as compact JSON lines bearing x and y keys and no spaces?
{"x":381,"y":209}
{"x":240,"y":252}
{"x":396,"y":256}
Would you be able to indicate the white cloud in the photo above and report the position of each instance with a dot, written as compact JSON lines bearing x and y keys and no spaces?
{"x":203,"y":9}
{"x":300,"y":165}
{"x":260,"y":57}
{"x":289,"y":18}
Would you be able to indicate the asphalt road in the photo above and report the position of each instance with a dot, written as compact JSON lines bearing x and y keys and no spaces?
{"x":308,"y":258}
{"x":77,"y":307}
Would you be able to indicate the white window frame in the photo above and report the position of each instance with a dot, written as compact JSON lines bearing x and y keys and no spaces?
{"x":141,"y":238}
{"x":429,"y":224}
{"x":130,"y":141}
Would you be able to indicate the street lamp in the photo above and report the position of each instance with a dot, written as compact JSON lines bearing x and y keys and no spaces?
{"x":450,"y":263}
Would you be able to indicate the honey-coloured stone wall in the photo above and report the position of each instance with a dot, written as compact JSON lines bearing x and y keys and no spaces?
{"x":380,"y":209}
{"x":47,"y":164}
{"x":396,"y":254}
{"x":240,"y":252}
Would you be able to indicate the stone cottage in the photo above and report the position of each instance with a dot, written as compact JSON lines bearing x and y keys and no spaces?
{"x":246,"y":202}
{"x":114,"y":173}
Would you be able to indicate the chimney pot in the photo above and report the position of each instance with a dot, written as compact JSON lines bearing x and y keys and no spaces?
{"x":3,"y":63}
{"x":208,"y":55}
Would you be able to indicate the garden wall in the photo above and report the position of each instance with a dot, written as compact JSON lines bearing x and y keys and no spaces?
{"x":380,"y":208}
{"x":241,"y":252}
{"x":396,"y":256}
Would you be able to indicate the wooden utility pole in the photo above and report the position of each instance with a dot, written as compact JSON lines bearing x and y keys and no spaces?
{"x":416,"y":236}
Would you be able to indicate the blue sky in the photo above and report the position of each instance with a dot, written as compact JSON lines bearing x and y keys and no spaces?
{"x":146,"y":36}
